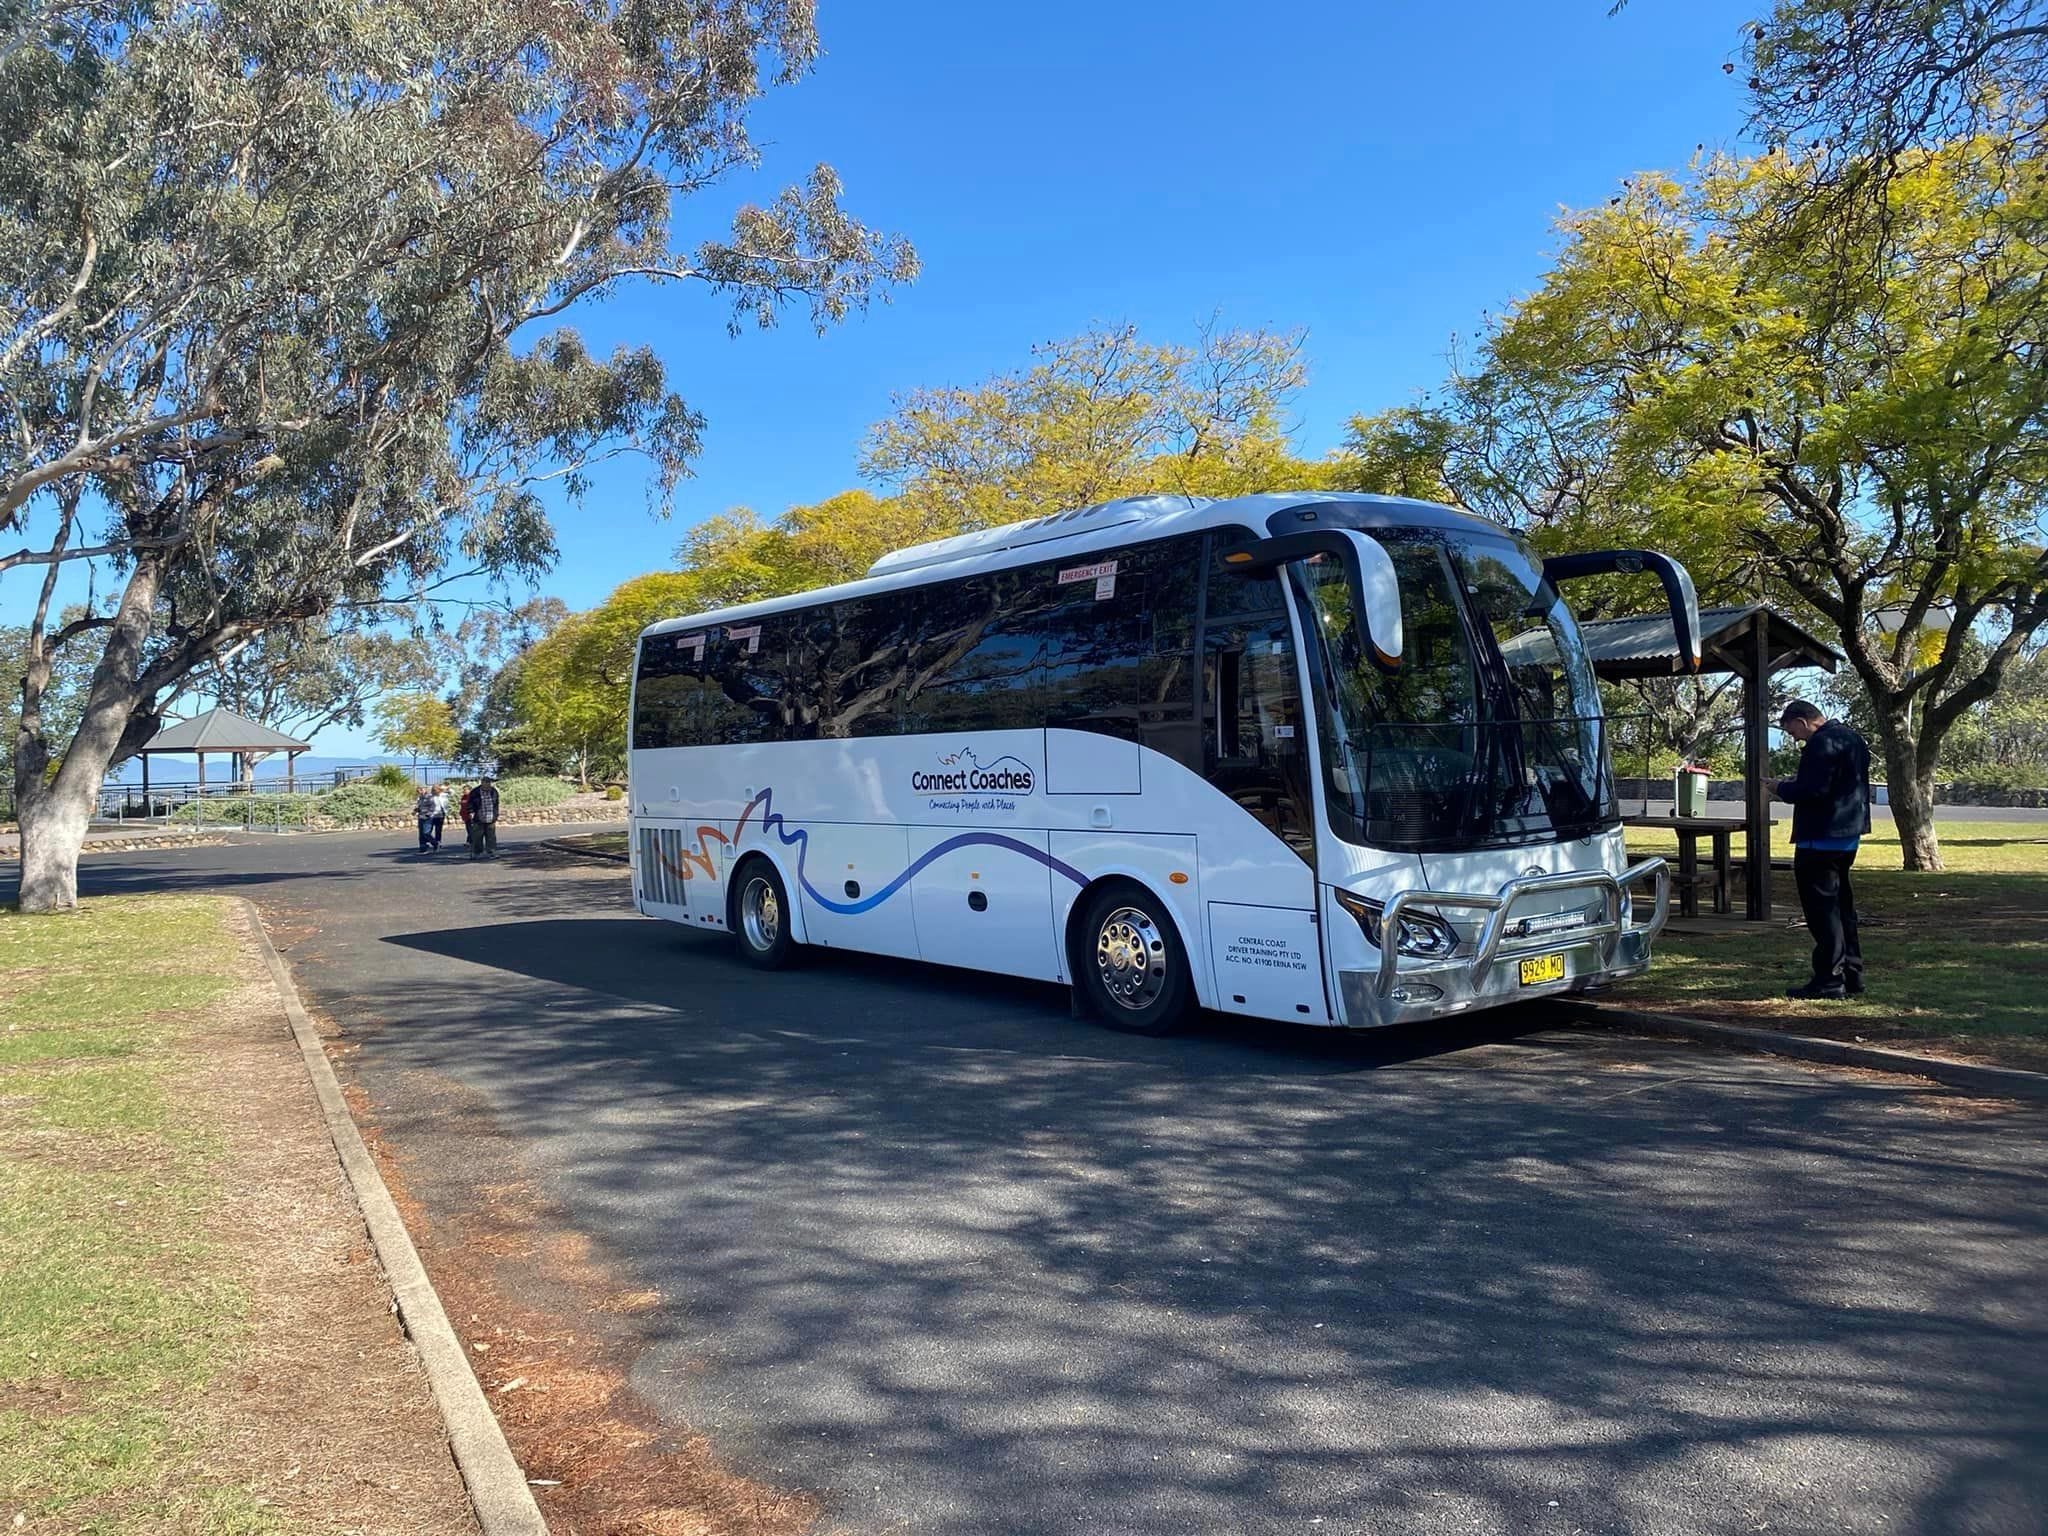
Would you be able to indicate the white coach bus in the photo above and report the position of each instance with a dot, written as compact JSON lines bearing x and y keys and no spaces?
{"x":1327,"y":759}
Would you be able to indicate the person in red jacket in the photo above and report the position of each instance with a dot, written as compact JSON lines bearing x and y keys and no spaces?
{"x":466,"y":809}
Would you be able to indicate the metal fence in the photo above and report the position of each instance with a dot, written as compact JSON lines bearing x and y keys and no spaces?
{"x":262,"y":804}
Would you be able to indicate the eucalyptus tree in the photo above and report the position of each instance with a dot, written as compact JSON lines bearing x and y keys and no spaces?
{"x":283,"y":287}
{"x":478,"y":650}
{"x":304,"y":678}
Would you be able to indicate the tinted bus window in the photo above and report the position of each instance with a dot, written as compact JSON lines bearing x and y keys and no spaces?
{"x":1255,"y":736}
{"x":665,"y":704}
{"x":945,"y":621}
{"x":994,"y":673}
{"x":1232,"y":592}
{"x":1110,"y":648}
{"x":845,"y":669}
{"x":1167,"y":677}
{"x":743,"y":664}
{"x":1097,"y":639}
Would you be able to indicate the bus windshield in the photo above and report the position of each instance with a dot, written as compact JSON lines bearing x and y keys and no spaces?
{"x":1489,"y":731}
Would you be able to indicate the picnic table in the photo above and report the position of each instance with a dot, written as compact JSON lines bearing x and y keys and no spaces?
{"x":1690,"y":829}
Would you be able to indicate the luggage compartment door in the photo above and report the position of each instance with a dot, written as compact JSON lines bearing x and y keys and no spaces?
{"x":984,"y":905}
{"x":855,"y":895}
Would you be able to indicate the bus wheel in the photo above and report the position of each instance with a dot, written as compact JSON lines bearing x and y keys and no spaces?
{"x":759,"y":918}
{"x":1130,"y":965}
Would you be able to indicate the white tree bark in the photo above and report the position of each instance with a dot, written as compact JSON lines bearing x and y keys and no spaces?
{"x":54,"y":816}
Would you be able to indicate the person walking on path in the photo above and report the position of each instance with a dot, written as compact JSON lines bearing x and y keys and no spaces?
{"x":438,"y":814}
{"x":433,"y":814}
{"x":483,"y":825}
{"x":1830,"y":800}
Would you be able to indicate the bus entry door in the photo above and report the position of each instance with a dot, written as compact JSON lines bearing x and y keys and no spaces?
{"x":858,"y":871}
{"x":1254,"y":750}
{"x":1265,"y":951}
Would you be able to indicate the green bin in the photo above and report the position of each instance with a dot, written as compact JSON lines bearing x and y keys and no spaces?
{"x":1690,"y":790}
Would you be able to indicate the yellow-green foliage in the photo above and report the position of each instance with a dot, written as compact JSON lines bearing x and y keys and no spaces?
{"x":417,"y":725}
{"x":1099,"y":415}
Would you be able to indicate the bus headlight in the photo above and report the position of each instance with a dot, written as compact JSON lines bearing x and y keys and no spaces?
{"x":1422,"y":933}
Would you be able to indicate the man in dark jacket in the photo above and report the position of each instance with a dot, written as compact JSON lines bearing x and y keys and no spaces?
{"x":1830,"y":799}
{"x":481,"y":804}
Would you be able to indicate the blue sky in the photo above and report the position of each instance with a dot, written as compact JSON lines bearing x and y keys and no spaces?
{"x":1379,"y":175}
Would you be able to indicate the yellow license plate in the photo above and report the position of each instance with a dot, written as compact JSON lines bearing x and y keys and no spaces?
{"x":1541,"y":969}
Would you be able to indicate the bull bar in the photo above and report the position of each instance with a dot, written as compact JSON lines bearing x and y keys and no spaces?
{"x":1490,"y":945}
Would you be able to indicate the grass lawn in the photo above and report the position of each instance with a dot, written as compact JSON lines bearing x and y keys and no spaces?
{"x":1957,"y":961}
{"x":113,"y":1306}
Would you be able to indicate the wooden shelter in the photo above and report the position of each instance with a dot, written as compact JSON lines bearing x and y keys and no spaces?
{"x":221,"y":731}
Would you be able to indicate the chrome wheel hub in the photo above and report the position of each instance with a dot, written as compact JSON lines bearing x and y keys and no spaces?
{"x":760,"y":913}
{"x":1130,"y":958}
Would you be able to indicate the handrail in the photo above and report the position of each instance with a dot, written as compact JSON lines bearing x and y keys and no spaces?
{"x":1500,"y":902}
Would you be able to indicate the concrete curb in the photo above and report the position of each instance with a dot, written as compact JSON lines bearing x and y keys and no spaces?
{"x":563,"y":845}
{"x":12,"y":852}
{"x":2003,"y":1082}
{"x":497,"y":1488}
{"x":151,"y":844}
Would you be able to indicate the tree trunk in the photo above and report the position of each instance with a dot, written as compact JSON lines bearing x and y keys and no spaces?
{"x":1911,"y":791}
{"x":53,"y":822}
{"x":54,"y":815}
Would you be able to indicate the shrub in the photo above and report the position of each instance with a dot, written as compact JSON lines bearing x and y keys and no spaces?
{"x":613,"y":792}
{"x":390,"y":776}
{"x":2000,"y":778}
{"x":527,"y":793}
{"x":360,"y":801}
{"x":517,"y":757}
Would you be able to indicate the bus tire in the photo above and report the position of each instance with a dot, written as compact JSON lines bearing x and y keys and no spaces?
{"x":759,"y":915}
{"x":1129,"y":963}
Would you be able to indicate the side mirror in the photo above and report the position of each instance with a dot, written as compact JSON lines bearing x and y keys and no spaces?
{"x":1367,"y":566}
{"x":1675,"y":579}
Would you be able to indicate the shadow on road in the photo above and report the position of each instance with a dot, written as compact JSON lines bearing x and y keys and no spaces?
{"x":921,"y":1224}
{"x":642,"y":961}
{"x":926,"y":1242}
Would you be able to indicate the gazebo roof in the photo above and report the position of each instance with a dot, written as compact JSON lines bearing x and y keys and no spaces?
{"x":222,"y":730}
{"x":1645,"y":645}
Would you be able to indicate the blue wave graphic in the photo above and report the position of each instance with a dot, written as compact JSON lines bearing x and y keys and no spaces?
{"x":800,"y":839}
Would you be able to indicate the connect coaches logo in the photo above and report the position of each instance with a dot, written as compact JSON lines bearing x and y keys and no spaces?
{"x":962,"y":771}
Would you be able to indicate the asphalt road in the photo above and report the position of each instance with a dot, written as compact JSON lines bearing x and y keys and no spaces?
{"x":964,"y":1265}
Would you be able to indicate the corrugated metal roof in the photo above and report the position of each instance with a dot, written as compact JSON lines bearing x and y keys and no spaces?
{"x":1646,"y":643}
{"x":222,"y":730}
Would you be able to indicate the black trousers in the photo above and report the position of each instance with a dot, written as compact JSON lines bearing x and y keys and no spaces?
{"x":1829,"y":902}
